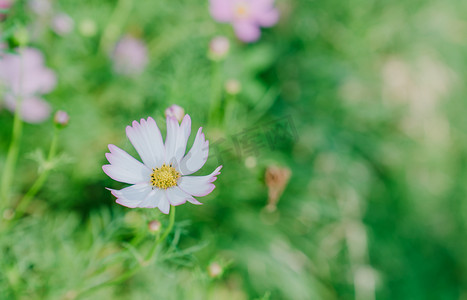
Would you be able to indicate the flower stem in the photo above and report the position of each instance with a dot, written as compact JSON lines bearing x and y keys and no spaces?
{"x":114,"y":26}
{"x":164,"y":235}
{"x":215,"y":90}
{"x":35,"y":188}
{"x":13,"y":150}
{"x":12,"y":156}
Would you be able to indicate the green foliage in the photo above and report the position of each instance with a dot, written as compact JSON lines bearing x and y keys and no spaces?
{"x":375,"y":207}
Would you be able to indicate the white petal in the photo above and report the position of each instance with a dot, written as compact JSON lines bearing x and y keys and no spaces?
{"x":197,"y":156}
{"x":199,"y":185}
{"x":132,"y":196}
{"x":147,"y":140}
{"x":176,"y":196}
{"x":124,"y":168}
{"x":164,"y":204}
{"x":177,"y":137}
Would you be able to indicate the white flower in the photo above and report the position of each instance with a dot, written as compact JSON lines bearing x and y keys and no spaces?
{"x":163,"y":177}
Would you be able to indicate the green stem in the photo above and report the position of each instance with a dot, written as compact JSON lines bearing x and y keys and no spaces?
{"x":164,"y":235}
{"x":12,"y":156}
{"x":215,"y":90}
{"x":114,"y":26}
{"x":36,"y":187}
{"x":13,"y":150}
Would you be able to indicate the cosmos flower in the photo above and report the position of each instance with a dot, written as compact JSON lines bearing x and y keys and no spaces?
{"x":4,"y":5}
{"x":163,"y":178}
{"x":130,"y":56}
{"x":24,"y":76}
{"x":246,"y":16}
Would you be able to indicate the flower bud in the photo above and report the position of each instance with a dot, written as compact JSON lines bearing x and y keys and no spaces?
{"x":154,"y":226}
{"x":62,"y":24}
{"x":88,"y":28}
{"x":215,"y":270}
{"x":219,"y":48}
{"x":21,"y":37}
{"x":276,"y":181}
{"x":176,"y":112}
{"x":232,"y":86}
{"x":61,"y":119}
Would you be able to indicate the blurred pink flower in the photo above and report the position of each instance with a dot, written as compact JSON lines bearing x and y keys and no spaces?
{"x":41,"y":7}
{"x":62,"y":24}
{"x":130,"y":56}
{"x":164,"y":177}
{"x":4,"y":4}
{"x":246,"y":16}
{"x":24,"y":75}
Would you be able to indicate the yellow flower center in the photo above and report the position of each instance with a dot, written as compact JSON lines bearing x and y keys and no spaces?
{"x":241,"y":10}
{"x":164,"y":177}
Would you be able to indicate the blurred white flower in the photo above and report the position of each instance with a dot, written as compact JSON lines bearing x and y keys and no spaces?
{"x":62,"y":24}
{"x":176,"y":112}
{"x":215,"y":270}
{"x":130,"y":56}
{"x":162,"y":179}
{"x":232,"y":86}
{"x":24,"y":76}
{"x":41,"y":7}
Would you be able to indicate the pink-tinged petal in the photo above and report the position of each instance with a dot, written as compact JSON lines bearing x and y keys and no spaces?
{"x":268,"y":18}
{"x":164,"y":204}
{"x":177,"y":197}
{"x":126,"y":168}
{"x":132,"y":196}
{"x":197,"y":156}
{"x":247,"y":31}
{"x":33,"y":109}
{"x":222,"y":10}
{"x":194,"y":201}
{"x":177,"y":137}
{"x":147,"y":140}
{"x":199,"y":185}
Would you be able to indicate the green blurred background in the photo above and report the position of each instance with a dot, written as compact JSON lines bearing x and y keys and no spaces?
{"x":376,"y":204}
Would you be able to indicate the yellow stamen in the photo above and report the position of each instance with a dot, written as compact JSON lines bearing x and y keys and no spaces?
{"x":164,"y":177}
{"x":241,"y":10}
